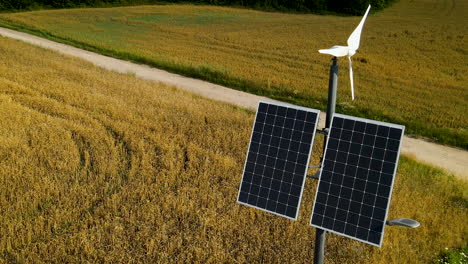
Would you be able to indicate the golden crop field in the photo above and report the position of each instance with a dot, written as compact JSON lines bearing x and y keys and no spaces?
{"x":102,"y":167}
{"x":411,"y":67}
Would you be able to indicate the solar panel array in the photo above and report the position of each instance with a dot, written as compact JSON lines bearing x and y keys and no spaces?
{"x":278,"y":158}
{"x":356,"y":178}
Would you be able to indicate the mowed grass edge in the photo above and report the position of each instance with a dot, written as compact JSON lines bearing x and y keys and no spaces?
{"x":103,"y":167}
{"x":453,"y":137}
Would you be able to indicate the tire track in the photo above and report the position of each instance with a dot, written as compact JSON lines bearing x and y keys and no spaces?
{"x":88,"y":151}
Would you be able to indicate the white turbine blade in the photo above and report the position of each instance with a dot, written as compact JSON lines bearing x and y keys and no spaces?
{"x":337,"y":51}
{"x":355,"y":37}
{"x":351,"y":77}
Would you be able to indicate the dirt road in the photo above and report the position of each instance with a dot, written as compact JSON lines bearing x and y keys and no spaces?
{"x":451,"y":159}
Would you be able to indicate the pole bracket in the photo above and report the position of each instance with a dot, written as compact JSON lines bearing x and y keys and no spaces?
{"x":323,"y":131}
{"x":315,"y":176}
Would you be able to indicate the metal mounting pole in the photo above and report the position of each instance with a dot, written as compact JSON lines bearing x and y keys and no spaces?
{"x":319,"y":254}
{"x":332,"y":87}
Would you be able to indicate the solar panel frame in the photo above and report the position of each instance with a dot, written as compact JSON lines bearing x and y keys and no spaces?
{"x":378,"y":123}
{"x":317,"y":112}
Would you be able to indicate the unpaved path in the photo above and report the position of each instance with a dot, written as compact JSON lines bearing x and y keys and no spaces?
{"x":451,"y":159}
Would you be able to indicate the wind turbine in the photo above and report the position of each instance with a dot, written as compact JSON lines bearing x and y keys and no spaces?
{"x":350,"y":50}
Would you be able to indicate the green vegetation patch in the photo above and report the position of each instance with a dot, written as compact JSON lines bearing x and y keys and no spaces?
{"x":186,"y":20}
{"x":459,"y":256}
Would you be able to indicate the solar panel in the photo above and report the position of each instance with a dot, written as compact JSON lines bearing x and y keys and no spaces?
{"x":278,"y":158}
{"x":356,"y":179}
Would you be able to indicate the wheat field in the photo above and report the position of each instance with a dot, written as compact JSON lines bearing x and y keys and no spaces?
{"x":103,"y":167}
{"x":411,"y":67}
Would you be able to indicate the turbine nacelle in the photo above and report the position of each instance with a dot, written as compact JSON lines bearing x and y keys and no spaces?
{"x":353,"y":45}
{"x":338,"y":51}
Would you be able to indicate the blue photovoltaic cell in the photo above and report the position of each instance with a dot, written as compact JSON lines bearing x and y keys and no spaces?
{"x":278,"y":158}
{"x":356,"y":178}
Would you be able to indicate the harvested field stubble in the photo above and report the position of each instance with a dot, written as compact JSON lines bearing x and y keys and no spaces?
{"x":103,"y":167}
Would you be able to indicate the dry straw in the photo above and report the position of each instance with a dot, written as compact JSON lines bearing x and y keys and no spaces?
{"x":103,"y":167}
